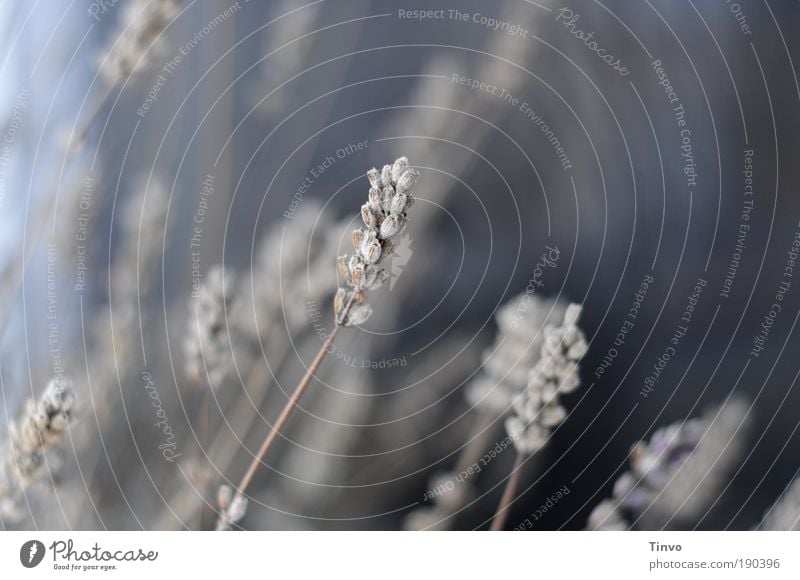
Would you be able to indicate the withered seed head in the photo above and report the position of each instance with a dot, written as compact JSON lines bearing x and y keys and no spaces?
{"x":374,"y":178}
{"x":384,"y":216}
{"x":399,"y":167}
{"x":372,"y":253}
{"x":341,"y":265}
{"x":391,"y":225}
{"x":370,"y":219}
{"x":358,"y":235}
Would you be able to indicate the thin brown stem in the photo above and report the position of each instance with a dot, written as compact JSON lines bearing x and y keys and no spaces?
{"x":287,"y":410}
{"x":499,"y":521}
{"x":222,"y":450}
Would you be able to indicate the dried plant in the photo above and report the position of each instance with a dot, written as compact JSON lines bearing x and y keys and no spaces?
{"x":517,"y":346}
{"x":384,"y":216}
{"x":139,"y":40}
{"x":233,"y":506}
{"x":291,"y":269}
{"x":316,"y":461}
{"x":785,"y":514}
{"x":504,"y":375}
{"x":207,"y":346}
{"x":538,"y":408}
{"x":117,"y":328}
{"x":39,"y":432}
{"x":675,"y":475}
{"x":209,"y":356}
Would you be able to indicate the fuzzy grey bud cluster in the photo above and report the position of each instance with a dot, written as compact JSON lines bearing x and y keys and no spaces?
{"x":39,"y":431}
{"x":517,"y":347}
{"x":384,"y":216}
{"x":207,"y":347}
{"x":677,"y":473}
{"x":140,"y":35}
{"x":233,"y":507}
{"x":538,"y":408}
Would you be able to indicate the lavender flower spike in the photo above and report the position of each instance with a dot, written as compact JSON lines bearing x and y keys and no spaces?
{"x":384,"y":216}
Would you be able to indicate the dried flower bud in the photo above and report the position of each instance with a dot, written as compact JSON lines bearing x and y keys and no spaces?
{"x":572,"y":315}
{"x":224,"y":496}
{"x":398,"y":203}
{"x":40,"y":431}
{"x":399,"y":167}
{"x":358,"y":314}
{"x":370,"y":220}
{"x":339,"y":300}
{"x":388,"y":196}
{"x":140,"y":40}
{"x":373,"y":253}
{"x":374,"y":177}
{"x":237,"y":509}
{"x":391,"y":225}
{"x":358,"y":235}
{"x":375,"y":199}
{"x":386,"y":175}
{"x":341,"y":265}
{"x":407,"y":180}
{"x":357,"y":275}
{"x":207,"y":344}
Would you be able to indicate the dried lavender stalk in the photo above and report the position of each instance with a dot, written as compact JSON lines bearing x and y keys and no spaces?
{"x":114,"y":341}
{"x":517,"y":346}
{"x":40,"y":430}
{"x":538,"y":408}
{"x":675,"y":475}
{"x":140,"y":38}
{"x":207,"y":345}
{"x":209,"y":357}
{"x":264,"y":298}
{"x":384,"y":216}
{"x":234,"y":506}
{"x":504,"y":376}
